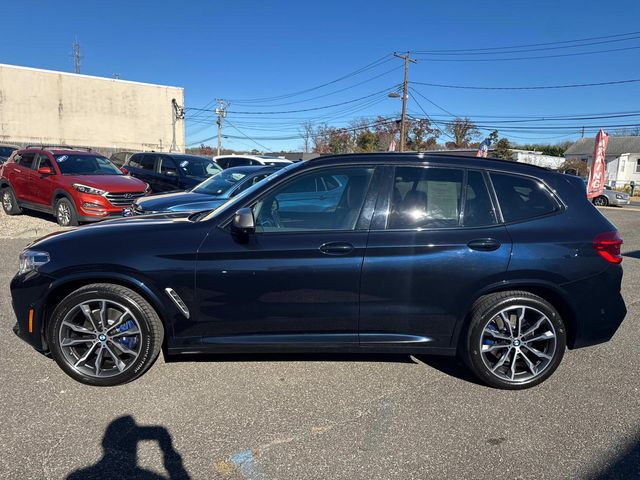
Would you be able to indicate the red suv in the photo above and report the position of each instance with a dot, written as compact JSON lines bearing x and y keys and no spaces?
{"x":74,"y":185}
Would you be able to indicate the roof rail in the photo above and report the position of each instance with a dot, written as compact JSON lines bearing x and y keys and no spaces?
{"x":65,"y":147}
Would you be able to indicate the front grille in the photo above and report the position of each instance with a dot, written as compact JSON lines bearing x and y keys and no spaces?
{"x":123,"y":199}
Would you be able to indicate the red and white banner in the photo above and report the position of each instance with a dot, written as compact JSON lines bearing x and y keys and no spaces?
{"x":597,"y":176}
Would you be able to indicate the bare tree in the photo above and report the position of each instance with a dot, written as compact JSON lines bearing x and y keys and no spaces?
{"x":306,"y":131}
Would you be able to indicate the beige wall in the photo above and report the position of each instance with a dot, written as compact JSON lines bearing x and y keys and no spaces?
{"x":43,"y":106}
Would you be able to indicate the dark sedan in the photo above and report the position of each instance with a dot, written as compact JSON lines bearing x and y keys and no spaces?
{"x":208,"y":195}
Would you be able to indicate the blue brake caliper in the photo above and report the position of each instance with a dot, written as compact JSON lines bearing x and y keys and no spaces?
{"x":129,"y":342}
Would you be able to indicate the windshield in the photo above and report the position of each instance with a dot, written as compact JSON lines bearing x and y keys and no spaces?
{"x":220,"y":183}
{"x":6,"y":151}
{"x":241,"y":196}
{"x":193,"y":166}
{"x":86,"y":164}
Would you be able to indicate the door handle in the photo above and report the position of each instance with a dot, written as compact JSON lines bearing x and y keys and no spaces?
{"x":484,"y":244}
{"x":336,"y":248}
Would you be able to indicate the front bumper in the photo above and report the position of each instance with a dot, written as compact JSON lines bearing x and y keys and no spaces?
{"x":620,"y":201}
{"x":28,"y":292}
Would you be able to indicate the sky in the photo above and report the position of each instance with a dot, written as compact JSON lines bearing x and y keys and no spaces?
{"x":248,"y":50}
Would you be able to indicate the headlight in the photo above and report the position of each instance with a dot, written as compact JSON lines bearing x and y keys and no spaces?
{"x":89,"y":190}
{"x":31,"y":260}
{"x":619,"y":197}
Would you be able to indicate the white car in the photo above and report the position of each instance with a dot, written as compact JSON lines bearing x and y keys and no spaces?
{"x":228,"y":161}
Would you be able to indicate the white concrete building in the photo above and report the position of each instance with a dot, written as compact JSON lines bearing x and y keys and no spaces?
{"x":537,"y":158}
{"x":622,"y":158}
{"x":59,"y":108}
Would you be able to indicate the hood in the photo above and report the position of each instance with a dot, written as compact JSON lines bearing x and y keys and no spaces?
{"x":109,"y":183}
{"x":179,"y":202}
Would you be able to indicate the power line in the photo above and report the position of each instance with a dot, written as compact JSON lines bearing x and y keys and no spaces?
{"x":306,"y":109}
{"x":526,"y":58}
{"x":384,"y":59}
{"x":469,"y":52}
{"x":433,"y":103}
{"x":533,"y":44}
{"x":247,"y":137}
{"x":442,"y":130}
{"x":533,"y":87}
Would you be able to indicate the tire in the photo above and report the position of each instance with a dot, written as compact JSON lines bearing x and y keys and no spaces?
{"x":487,"y":341}
{"x":88,"y":351}
{"x":10,"y":202}
{"x":65,"y":213}
{"x":601,"y":201}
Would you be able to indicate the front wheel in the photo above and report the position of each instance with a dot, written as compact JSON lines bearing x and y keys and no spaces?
{"x":9,"y":202}
{"x":66,"y":213}
{"x":514,"y":340}
{"x":601,"y":201}
{"x":104,"y":335}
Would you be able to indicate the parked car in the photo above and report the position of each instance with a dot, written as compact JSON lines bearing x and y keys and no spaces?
{"x":74,"y":185}
{"x":208,"y":195}
{"x":230,"y":161}
{"x":494,"y":261}
{"x":6,"y":151}
{"x":612,"y":197}
{"x":120,"y":158}
{"x":167,"y":172}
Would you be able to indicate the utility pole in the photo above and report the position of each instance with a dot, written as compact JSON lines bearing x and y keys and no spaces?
{"x":177,"y":113}
{"x":221,"y":112}
{"x":76,"y":55}
{"x":405,"y":96}
{"x":582,"y":135}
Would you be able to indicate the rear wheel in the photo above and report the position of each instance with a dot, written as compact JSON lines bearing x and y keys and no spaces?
{"x":601,"y":201}
{"x":10,"y":202}
{"x":104,"y":335}
{"x":514,"y":340}
{"x":66,"y":213}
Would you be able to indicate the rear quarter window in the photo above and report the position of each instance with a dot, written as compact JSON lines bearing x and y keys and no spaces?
{"x":521,"y":198}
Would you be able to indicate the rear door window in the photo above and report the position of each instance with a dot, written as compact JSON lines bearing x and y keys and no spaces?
{"x":478,"y":208}
{"x":521,"y":197}
{"x":426,"y":198}
{"x":168,"y":166}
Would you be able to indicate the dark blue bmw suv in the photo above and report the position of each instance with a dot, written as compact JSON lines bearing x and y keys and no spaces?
{"x":501,"y":263}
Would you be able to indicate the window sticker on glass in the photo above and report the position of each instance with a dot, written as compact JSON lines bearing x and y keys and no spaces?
{"x":184,"y":163}
{"x":62,"y":158}
{"x":442,"y":200}
{"x":238,"y":176}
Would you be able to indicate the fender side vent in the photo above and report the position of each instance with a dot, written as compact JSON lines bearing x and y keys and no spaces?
{"x":178,"y":301}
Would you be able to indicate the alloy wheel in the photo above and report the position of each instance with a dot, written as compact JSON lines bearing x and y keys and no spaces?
{"x":100,"y":338}
{"x":64,"y":214}
{"x":518,"y":343}
{"x":7,"y":201}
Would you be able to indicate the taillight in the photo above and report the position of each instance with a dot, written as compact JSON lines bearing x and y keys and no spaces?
{"x":124,"y":170}
{"x":608,"y":244}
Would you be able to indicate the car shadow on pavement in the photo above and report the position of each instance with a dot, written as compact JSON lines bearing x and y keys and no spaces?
{"x":120,"y":459}
{"x":448,"y":365}
{"x":625,"y":465}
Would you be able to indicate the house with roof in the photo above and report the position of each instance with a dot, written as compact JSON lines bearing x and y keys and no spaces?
{"x":622,"y":158}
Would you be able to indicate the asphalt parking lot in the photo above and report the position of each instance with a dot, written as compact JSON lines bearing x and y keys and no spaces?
{"x":310,"y":417}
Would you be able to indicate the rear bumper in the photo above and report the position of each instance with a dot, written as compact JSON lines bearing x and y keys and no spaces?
{"x":598,"y":307}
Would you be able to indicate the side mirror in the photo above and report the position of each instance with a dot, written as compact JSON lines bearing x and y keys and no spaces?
{"x":124,"y":170}
{"x":45,"y":171}
{"x":243,"y":223}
